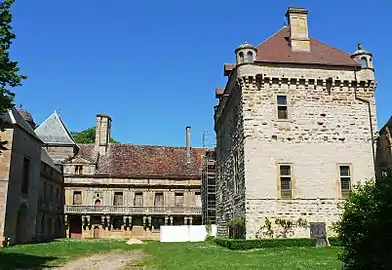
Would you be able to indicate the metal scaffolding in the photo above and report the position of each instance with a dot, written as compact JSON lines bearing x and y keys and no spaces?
{"x":208,"y":187}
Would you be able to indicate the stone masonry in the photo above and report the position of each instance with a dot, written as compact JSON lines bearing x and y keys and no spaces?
{"x":329,"y":124}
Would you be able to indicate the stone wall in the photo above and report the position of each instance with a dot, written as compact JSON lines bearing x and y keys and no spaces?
{"x":18,"y":206}
{"x":5,"y":163}
{"x":50,"y":216}
{"x":230,"y":183}
{"x":59,"y":153}
{"x":327,"y":126}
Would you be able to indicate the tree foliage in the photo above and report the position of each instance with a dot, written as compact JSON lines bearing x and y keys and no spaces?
{"x":9,"y":70}
{"x":365,"y":229}
{"x":87,"y":136}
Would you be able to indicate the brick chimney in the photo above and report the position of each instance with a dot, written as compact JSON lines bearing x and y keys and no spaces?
{"x":102,"y":133}
{"x":298,"y":25}
{"x":188,"y":144}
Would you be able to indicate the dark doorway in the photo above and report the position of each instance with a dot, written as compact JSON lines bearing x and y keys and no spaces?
{"x":96,"y":232}
{"x":75,"y":230}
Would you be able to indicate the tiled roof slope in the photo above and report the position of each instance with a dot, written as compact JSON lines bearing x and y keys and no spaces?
{"x":129,"y":160}
{"x":14,"y":117}
{"x":54,"y":131}
{"x":277,"y":49}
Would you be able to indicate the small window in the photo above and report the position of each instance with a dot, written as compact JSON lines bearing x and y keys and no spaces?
{"x":282,"y":107}
{"x":138,"y":200}
{"x":241,"y":55}
{"x":285,"y":182}
{"x":250,"y":57}
{"x":97,"y":202}
{"x":179,"y":199}
{"x":77,"y":197}
{"x":26,"y":175}
{"x":345,"y":180}
{"x":118,"y":198}
{"x":158,"y":199}
{"x":78,"y":169}
{"x":364,"y":62}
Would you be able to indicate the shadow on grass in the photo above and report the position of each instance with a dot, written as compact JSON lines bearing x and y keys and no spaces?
{"x":11,"y":261}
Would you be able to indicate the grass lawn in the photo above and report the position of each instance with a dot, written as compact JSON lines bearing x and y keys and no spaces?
{"x":172,"y":256}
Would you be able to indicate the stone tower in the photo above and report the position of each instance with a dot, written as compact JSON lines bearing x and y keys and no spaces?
{"x":295,"y":129}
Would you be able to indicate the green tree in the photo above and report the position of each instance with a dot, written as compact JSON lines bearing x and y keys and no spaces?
{"x":87,"y":136}
{"x":365,"y":228}
{"x":9,"y":76}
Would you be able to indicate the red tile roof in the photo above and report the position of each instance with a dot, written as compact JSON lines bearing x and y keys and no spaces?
{"x":277,"y":49}
{"x":227,"y":68}
{"x":145,"y":161}
{"x":219,"y":92}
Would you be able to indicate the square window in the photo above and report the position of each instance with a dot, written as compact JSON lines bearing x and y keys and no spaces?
{"x":282,"y":100}
{"x":344,"y":170}
{"x":285,"y":170}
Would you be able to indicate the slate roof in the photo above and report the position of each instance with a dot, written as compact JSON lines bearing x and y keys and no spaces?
{"x":53,"y":131}
{"x":388,"y":124}
{"x":277,"y":49}
{"x":13,"y":117}
{"x":145,"y":161}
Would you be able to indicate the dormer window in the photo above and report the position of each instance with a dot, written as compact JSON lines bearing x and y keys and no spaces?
{"x":78,"y":169}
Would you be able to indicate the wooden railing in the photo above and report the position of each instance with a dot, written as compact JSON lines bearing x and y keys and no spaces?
{"x":131,"y":210}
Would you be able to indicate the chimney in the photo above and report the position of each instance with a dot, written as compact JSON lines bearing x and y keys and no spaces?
{"x":102,"y":133}
{"x":298,"y":25}
{"x":188,"y":144}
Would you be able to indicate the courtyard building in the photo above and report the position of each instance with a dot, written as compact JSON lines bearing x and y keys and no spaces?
{"x":31,"y":185}
{"x":384,"y":149}
{"x":296,"y":127}
{"x":124,"y":190}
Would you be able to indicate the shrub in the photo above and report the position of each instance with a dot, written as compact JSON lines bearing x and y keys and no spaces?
{"x":236,"y":244}
{"x":237,"y":228}
{"x":366,"y":225}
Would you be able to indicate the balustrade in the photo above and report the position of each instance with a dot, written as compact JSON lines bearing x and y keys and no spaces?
{"x":128,"y":210}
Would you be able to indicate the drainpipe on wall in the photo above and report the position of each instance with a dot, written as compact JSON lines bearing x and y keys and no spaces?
{"x":370,"y":120}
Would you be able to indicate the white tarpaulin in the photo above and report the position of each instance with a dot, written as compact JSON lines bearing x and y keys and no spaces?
{"x":185,"y":233}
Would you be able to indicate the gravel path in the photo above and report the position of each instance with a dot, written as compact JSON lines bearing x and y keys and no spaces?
{"x":114,"y":260}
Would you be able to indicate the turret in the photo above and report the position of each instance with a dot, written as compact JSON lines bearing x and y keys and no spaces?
{"x":364,"y":57}
{"x":245,"y":53}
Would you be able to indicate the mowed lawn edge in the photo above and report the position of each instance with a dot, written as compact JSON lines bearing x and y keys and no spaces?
{"x":173,"y":256}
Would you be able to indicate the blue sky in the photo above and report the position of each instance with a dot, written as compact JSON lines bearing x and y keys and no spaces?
{"x":153,"y":66}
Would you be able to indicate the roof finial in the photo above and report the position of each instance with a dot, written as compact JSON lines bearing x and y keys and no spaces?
{"x":359,"y":46}
{"x":20,"y":106}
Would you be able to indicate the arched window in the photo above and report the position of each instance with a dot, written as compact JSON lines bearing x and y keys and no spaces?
{"x":241,"y":55}
{"x":249,"y":57}
{"x":97,"y":202}
{"x":364,"y":62}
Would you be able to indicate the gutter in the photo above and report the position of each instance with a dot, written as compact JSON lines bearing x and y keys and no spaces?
{"x":370,"y":119}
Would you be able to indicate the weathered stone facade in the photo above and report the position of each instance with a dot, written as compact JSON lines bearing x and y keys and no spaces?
{"x":124,"y":190}
{"x":292,"y":134}
{"x":21,"y":183}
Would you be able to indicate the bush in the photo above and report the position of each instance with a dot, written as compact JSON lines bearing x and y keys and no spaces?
{"x":235,"y":244}
{"x":335,"y":241}
{"x":366,"y":225}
